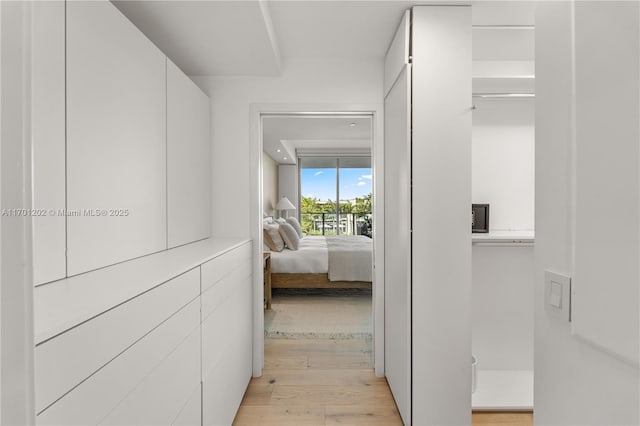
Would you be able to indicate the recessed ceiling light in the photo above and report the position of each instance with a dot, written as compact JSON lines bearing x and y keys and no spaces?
{"x":278,"y":150}
{"x":284,"y":158}
{"x":352,"y":124}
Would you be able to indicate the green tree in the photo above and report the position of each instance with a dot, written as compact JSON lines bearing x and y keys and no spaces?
{"x":311,"y":210}
{"x":363,"y":205}
{"x":346,"y":207}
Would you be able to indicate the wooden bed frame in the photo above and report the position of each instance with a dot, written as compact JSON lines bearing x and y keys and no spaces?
{"x":313,"y":281}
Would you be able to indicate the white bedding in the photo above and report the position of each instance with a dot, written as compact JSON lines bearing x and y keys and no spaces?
{"x":345,"y":258}
{"x":311,"y":258}
{"x":350,"y":258}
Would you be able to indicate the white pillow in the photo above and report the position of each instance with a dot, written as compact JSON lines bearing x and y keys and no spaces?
{"x":281,"y":220}
{"x":296,"y":225}
{"x":290,"y":236}
{"x":272,"y":238}
{"x":268,"y":220}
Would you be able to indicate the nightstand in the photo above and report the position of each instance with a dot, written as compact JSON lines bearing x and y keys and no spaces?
{"x":267,"y":280}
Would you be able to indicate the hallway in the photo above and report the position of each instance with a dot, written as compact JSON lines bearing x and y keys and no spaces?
{"x":318,"y":382}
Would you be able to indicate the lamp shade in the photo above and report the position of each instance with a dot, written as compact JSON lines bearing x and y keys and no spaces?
{"x":285,"y":204}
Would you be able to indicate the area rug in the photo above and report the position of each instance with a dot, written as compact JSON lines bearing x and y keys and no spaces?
{"x":319,"y":313}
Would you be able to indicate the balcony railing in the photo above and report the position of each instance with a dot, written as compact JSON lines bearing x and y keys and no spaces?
{"x":318,"y":223}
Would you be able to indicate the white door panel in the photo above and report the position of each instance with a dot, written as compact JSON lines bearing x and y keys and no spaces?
{"x":48,"y":136}
{"x":398,"y":242}
{"x":188,"y":160}
{"x":397,"y":216}
{"x":116,"y":139}
{"x":441,"y":204}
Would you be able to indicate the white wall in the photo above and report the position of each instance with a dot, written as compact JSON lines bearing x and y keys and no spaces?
{"x":502,"y":306}
{"x":269,"y":184}
{"x":288,"y":185}
{"x":304,"y":82}
{"x":503,"y":161}
{"x":575,"y":382}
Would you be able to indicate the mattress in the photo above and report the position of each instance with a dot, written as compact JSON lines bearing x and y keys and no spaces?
{"x":311,"y":258}
{"x":342,"y":257}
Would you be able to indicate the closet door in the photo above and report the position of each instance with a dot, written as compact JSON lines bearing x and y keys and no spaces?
{"x":116,"y":139}
{"x":397,"y":183}
{"x":441,"y":204}
{"x":188,"y":160}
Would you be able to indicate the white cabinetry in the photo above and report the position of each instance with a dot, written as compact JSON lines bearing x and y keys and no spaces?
{"x":118,"y":320}
{"x":431,"y":376}
{"x":173,"y":354}
{"x":226,"y":323}
{"x":116,"y":139}
{"x":48,"y":136}
{"x":397,"y":181}
{"x":98,"y":396}
{"x":121,"y":143}
{"x":60,"y":365}
{"x":188,"y":160}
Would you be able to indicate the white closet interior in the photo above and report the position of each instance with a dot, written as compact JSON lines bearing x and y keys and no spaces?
{"x":503,"y":170}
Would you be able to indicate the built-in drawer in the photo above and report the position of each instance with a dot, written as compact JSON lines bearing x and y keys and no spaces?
{"x":218,"y":294}
{"x":232,"y":320}
{"x":160,"y":397}
{"x":191,"y":413}
{"x":216,"y":269}
{"x":226,"y":357}
{"x":64,"y":361}
{"x":97,"y":396}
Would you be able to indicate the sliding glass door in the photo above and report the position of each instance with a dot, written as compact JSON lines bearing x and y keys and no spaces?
{"x":335,"y":195}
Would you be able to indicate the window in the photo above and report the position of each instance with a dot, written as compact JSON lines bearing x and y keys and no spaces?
{"x":335,"y":195}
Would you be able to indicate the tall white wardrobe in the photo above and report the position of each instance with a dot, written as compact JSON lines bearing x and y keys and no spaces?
{"x":427,"y":175}
{"x":452,"y":138}
{"x":140,"y":317}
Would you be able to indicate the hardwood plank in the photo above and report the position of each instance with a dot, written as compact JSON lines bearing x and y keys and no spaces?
{"x":280,"y":415}
{"x":319,"y":377}
{"x":364,"y":415}
{"x":257,"y":394}
{"x":286,"y":362}
{"x":285,"y":347}
{"x":482,"y":418}
{"x":376,"y":393}
{"x":340,"y":361}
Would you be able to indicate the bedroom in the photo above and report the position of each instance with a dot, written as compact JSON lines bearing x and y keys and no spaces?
{"x":309,"y":162}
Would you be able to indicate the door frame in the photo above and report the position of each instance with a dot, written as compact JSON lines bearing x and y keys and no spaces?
{"x":257,"y":112}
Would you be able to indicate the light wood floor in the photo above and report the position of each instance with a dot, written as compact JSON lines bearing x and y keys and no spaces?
{"x":487,"y":418}
{"x":329,"y":382}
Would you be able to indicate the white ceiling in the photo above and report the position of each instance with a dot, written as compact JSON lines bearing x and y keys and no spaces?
{"x":208,"y":37}
{"x":253,"y":37}
{"x":258,"y":37}
{"x":315,"y":134}
{"x":336,"y":29}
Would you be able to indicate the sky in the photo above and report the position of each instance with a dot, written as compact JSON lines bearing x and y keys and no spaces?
{"x":321,"y":183}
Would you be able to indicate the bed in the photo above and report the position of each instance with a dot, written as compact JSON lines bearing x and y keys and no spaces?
{"x":343,"y":261}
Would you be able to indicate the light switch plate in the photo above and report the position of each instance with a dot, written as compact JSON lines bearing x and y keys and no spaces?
{"x":557,"y":295}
